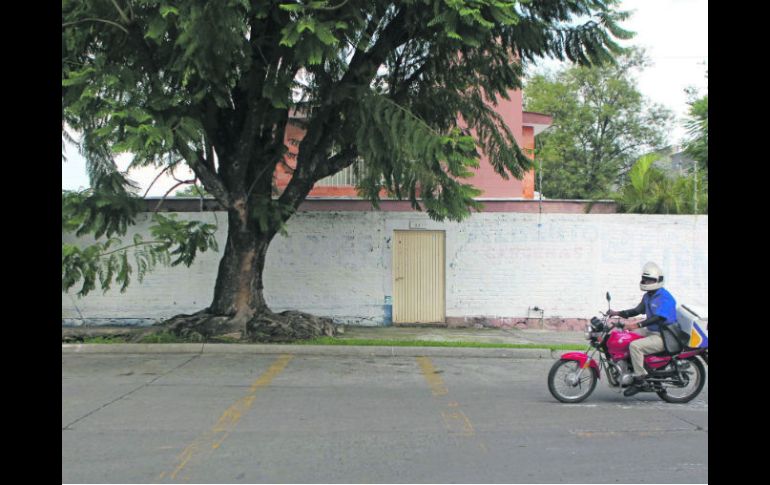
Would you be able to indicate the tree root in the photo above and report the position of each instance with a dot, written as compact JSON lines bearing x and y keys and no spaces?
{"x":289,"y":326}
{"x":199,"y":327}
{"x":266,"y":326}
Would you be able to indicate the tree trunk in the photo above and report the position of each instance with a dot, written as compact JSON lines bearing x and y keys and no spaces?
{"x":238,"y":309}
{"x":238,"y":291}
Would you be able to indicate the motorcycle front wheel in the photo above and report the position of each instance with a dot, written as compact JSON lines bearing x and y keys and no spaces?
{"x":694,"y":377}
{"x":566,"y":385}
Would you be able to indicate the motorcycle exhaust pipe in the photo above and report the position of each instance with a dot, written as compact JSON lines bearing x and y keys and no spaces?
{"x":661,"y":379}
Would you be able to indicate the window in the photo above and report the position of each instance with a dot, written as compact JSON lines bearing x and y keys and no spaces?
{"x":344,"y":178}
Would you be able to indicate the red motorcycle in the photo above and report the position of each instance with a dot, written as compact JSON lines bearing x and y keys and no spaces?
{"x":677,"y":374}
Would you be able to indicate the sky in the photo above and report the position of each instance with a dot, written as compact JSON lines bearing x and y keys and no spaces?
{"x":674,"y":34}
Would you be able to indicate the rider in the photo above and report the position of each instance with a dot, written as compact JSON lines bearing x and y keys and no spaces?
{"x":660,"y":309}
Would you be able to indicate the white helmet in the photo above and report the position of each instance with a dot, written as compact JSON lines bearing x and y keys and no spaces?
{"x":652,"y":277}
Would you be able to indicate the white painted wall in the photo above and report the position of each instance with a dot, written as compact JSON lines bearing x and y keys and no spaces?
{"x":498,"y":265}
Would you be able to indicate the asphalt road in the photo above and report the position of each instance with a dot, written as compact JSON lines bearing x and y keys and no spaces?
{"x":243,"y":418}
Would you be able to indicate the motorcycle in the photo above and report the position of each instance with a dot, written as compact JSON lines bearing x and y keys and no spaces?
{"x":676,"y":375}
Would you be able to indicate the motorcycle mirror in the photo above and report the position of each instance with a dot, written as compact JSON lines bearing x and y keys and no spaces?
{"x":608,"y":296}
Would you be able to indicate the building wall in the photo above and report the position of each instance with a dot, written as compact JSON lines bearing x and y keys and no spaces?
{"x":499,"y":266}
{"x":528,"y":146}
{"x":485,"y":178}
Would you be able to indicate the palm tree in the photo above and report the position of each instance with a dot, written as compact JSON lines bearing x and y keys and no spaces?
{"x":650,"y":191}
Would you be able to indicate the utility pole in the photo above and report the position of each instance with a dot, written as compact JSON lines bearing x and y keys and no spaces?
{"x":695,"y":184}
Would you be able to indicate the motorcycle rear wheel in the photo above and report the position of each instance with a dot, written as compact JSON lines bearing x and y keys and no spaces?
{"x":695,"y":378}
{"x":561,"y":386}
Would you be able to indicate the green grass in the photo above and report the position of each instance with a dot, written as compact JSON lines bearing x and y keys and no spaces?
{"x":163,"y":338}
{"x":170,"y":338}
{"x":105,"y":340}
{"x":423,"y":343}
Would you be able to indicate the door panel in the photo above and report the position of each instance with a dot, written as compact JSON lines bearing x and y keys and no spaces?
{"x":418,"y":277}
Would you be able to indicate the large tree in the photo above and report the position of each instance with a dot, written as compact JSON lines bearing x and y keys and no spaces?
{"x":601,"y":125}
{"x":214,"y":85}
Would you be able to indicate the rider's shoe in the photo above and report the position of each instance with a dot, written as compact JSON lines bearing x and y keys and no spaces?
{"x":635,"y":387}
{"x":632,"y":389}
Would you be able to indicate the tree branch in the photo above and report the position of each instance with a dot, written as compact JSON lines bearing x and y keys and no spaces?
{"x":210,"y":179}
{"x":338,"y":162}
{"x":124,"y":248}
{"x":121,"y":12}
{"x":181,"y":182}
{"x":361,"y":70}
{"x":335,"y":7}
{"x":115,"y":24}
{"x":364,"y":64}
{"x":257,"y":177}
{"x":157,"y":177}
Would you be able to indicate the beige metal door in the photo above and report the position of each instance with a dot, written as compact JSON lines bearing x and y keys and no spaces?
{"x":418,"y":277}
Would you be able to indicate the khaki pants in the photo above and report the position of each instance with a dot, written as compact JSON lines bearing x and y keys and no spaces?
{"x":650,"y":344}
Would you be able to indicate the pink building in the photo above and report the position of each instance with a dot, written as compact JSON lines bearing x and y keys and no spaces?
{"x":524,"y":126}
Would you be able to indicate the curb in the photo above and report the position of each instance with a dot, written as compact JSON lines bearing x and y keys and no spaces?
{"x":334,"y":350}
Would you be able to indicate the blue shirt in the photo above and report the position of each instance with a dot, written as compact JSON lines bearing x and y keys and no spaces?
{"x":659,"y":303}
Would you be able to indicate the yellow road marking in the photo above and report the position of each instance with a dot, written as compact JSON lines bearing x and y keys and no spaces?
{"x":434,"y":379}
{"x":213,"y":438}
{"x":458,"y":423}
{"x":455,"y":420}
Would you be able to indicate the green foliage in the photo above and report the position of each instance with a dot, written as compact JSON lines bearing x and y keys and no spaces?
{"x":163,"y":338}
{"x":271,"y":215}
{"x":182,"y":239}
{"x":650,"y":191}
{"x":98,"y":212}
{"x":108,"y":210}
{"x":403,"y":154}
{"x":601,"y":125}
{"x":106,"y":340}
{"x":697,"y":145}
{"x":192,"y":191}
{"x":112,"y":261}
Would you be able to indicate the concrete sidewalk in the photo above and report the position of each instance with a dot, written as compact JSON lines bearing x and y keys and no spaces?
{"x":427,"y":334}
